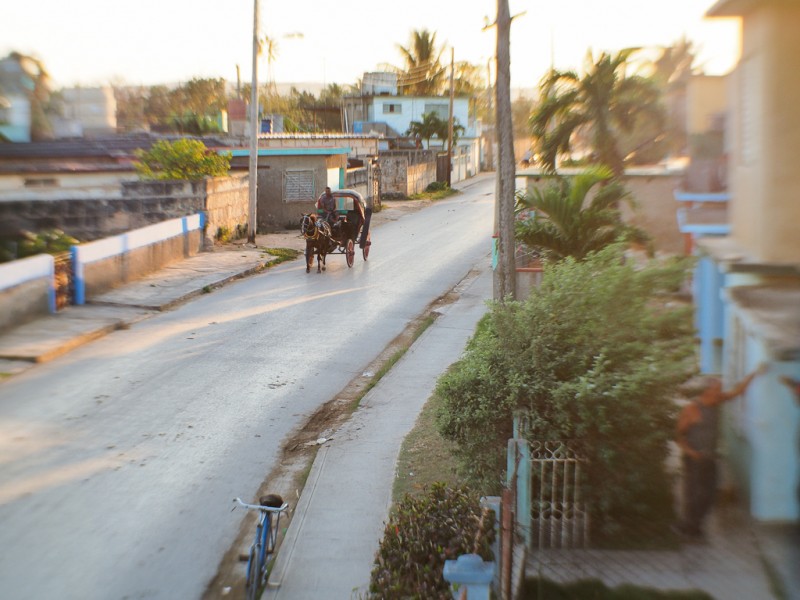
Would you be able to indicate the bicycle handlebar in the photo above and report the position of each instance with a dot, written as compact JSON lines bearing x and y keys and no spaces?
{"x":272,"y":509}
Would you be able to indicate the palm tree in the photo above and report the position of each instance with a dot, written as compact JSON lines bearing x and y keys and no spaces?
{"x":600,"y":106}
{"x":432,"y":125}
{"x":565,"y":222}
{"x":423,"y":74}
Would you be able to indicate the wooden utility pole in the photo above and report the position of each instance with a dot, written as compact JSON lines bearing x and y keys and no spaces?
{"x":450,"y":121}
{"x":505,"y":274}
{"x":253,"y":166}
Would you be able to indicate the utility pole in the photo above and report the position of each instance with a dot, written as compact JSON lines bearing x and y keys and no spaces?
{"x":505,"y":274}
{"x":253,"y":166}
{"x":450,"y":121}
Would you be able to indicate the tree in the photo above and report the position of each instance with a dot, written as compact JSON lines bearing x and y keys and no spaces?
{"x":130,"y":107}
{"x":673,"y":69}
{"x":203,"y":97}
{"x":181,"y":159}
{"x":566,"y":221}
{"x":592,"y":356}
{"x":602,"y":104}
{"x":158,"y":106}
{"x":423,"y":74}
{"x":431,"y":125}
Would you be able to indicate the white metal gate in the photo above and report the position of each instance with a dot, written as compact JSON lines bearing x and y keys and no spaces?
{"x":559,"y":517}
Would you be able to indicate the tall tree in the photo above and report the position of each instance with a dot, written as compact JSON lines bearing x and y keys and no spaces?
{"x":203,"y":97}
{"x":422,"y":74}
{"x":576,"y":216}
{"x":432,"y":125}
{"x":672,"y":70}
{"x":598,"y":107}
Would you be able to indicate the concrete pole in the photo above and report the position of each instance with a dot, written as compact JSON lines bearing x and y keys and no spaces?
{"x":450,"y":121}
{"x":253,"y":167}
{"x":505,"y":273}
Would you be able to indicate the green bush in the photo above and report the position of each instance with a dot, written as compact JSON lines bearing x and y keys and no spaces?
{"x":423,"y":532}
{"x":50,"y":241}
{"x":436,"y":186}
{"x":593,"y":357}
{"x":182,"y":159}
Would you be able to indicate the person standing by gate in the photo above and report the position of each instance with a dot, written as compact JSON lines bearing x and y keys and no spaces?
{"x":697,"y":439}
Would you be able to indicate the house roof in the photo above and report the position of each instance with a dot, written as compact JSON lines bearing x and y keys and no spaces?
{"x":113,"y":147}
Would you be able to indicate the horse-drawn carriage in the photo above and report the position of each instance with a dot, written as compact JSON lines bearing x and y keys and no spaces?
{"x":346,"y":227}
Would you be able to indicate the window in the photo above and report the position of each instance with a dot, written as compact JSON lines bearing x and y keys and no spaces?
{"x":298,"y":186}
{"x":41,"y":182}
{"x":440,"y":110}
{"x":389,"y":108}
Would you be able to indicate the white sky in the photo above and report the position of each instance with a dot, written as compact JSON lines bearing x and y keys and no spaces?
{"x":146,"y":42}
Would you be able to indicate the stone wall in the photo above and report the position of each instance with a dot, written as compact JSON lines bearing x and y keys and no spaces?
{"x":406,"y":173}
{"x":224,"y":200}
{"x":227,"y":206}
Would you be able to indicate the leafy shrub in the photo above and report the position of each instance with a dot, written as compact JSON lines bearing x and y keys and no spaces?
{"x":423,"y":532}
{"x":436,"y":186}
{"x":50,"y":241}
{"x":593,"y":356}
{"x":181,"y":159}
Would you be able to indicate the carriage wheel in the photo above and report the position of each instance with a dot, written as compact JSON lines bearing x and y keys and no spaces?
{"x":350,"y":253}
{"x":365,"y":249}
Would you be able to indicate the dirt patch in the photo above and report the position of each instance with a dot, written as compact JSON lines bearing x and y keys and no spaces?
{"x":300,"y":448}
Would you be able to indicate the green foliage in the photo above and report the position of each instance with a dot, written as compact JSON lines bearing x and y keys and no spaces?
{"x":50,"y":241}
{"x":565,"y":221}
{"x":596,"y":109}
{"x":437,"y":186}
{"x":181,"y":159}
{"x":422,"y":533}
{"x":434,"y":126}
{"x":592,"y":356}
{"x":423,"y":74}
{"x":194,"y":124}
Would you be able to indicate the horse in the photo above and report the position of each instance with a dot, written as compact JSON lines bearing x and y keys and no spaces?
{"x":317,"y":233}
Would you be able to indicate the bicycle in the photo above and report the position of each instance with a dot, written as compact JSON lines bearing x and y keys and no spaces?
{"x":270,"y":508}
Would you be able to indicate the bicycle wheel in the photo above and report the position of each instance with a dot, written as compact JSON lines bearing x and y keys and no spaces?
{"x":253,"y":575}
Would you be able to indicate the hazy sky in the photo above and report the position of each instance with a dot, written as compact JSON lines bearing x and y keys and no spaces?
{"x":94,"y":42}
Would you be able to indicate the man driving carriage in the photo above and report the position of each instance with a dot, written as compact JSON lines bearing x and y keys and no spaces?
{"x":327,"y":203}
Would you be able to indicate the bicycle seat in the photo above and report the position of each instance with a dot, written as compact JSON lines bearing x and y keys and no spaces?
{"x":271,"y":500}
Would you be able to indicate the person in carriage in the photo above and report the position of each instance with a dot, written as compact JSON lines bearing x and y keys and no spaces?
{"x":327,"y":203}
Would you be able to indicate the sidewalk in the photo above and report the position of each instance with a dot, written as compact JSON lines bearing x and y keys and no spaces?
{"x":46,"y":338}
{"x":331,"y":542}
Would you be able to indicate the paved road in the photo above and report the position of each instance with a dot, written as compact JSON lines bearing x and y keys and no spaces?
{"x":119,"y":460}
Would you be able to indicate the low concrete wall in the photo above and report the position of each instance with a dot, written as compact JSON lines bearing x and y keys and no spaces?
{"x":104,"y":264}
{"x":26,"y":290}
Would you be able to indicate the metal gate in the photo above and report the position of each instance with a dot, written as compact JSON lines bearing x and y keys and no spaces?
{"x":559,"y":517}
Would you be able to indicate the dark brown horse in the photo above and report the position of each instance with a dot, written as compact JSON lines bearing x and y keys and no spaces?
{"x":317,"y":233}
